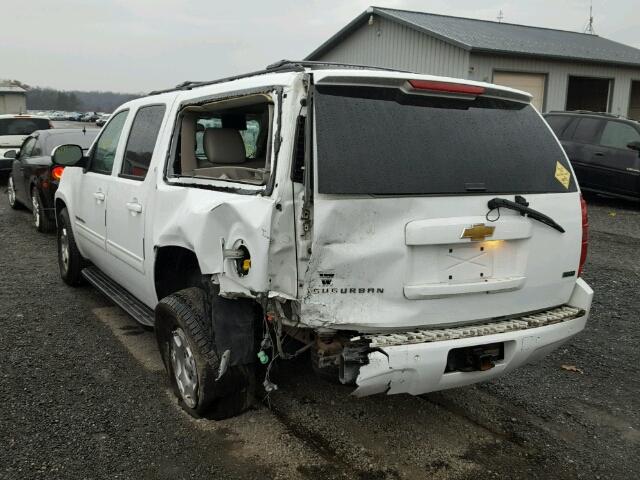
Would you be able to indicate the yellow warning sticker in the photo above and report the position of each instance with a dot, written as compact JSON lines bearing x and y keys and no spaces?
{"x":563,"y":175}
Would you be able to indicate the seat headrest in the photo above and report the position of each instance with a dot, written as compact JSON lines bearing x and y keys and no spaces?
{"x":224,"y":145}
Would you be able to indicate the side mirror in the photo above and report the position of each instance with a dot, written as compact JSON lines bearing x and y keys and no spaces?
{"x":11,"y":154}
{"x":634,"y":146}
{"x":68,"y":156}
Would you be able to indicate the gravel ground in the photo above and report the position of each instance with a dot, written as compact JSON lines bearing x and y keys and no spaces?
{"x":83,"y":394}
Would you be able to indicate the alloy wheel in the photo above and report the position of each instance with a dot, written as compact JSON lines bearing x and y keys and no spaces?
{"x":64,"y":248}
{"x":184,"y":367}
{"x":35,"y":202}
{"x":11,"y":192}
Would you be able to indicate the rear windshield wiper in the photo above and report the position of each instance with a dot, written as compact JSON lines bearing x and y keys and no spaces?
{"x":522,"y":206}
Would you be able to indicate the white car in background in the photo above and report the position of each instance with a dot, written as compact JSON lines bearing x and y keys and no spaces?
{"x":14,"y":129}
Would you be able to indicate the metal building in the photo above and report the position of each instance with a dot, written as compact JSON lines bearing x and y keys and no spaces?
{"x":562,"y":70}
{"x":13,"y":99}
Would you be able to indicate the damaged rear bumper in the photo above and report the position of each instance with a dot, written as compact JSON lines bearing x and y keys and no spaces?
{"x":418,"y":368}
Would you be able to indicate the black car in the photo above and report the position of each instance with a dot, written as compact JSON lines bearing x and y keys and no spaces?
{"x":604,"y":150}
{"x":33,"y":180}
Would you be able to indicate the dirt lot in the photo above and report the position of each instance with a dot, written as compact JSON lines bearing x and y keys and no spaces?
{"x":83,"y":394}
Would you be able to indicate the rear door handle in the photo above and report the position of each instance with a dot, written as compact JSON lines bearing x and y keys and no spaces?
{"x":599,"y":154}
{"x":134,"y":207}
{"x":99,"y":196}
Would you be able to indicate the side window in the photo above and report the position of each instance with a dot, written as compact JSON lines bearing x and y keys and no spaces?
{"x":226,"y":140}
{"x":27,"y":147}
{"x":142,"y":141}
{"x":587,"y":130}
{"x":37,"y":148}
{"x":618,"y":135}
{"x":558,"y":123}
{"x":104,"y":151}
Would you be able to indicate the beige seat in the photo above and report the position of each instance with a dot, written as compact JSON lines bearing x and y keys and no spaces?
{"x":224,"y":146}
{"x":226,"y":156}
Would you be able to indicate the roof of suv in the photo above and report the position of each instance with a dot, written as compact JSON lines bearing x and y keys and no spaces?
{"x":587,"y":113}
{"x":293,"y":66}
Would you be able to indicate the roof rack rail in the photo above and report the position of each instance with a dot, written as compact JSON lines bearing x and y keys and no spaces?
{"x":190,"y":85}
{"x":279,"y":66}
{"x":588,"y":112}
{"x":320,"y":64}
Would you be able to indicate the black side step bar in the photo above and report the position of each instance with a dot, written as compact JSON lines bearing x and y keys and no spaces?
{"x":118,"y":295}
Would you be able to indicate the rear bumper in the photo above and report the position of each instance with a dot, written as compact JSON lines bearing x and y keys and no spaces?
{"x":419,"y":368}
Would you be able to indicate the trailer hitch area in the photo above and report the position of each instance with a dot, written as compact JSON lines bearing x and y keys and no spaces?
{"x":351,"y":360}
{"x":479,"y":358}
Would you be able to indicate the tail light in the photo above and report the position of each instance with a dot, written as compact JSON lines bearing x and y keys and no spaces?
{"x":585,"y":235}
{"x":446,"y":87}
{"x":56,"y":172}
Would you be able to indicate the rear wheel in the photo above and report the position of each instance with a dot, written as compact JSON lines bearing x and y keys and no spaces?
{"x":70,"y":260}
{"x":40,"y":219}
{"x":11,"y":194}
{"x":185,"y":337}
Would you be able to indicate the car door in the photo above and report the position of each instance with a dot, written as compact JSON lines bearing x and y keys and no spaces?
{"x":91,"y":197}
{"x":581,"y":145}
{"x":128,"y":195}
{"x":19,"y":173}
{"x":619,"y":166}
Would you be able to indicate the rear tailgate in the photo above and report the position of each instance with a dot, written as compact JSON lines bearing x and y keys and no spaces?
{"x":403,"y":236}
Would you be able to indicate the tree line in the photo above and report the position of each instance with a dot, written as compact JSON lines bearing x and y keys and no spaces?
{"x":75,"y":100}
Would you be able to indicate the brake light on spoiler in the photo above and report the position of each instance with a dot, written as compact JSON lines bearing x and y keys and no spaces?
{"x":446,"y":87}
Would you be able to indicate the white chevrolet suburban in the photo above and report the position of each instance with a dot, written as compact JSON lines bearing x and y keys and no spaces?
{"x":411,"y":233}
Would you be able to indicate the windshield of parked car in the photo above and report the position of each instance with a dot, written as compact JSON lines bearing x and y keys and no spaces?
{"x":384,"y":141}
{"x":22,"y":126}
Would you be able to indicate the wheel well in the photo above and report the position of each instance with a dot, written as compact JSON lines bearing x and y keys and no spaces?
{"x":59,"y":206}
{"x":175,"y":268}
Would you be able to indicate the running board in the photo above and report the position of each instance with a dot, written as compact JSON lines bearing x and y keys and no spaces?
{"x":118,"y":295}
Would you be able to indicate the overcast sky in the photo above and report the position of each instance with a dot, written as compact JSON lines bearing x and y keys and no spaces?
{"x":140,"y":45}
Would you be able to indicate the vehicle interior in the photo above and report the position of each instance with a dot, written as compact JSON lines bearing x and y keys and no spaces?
{"x":226,"y":140}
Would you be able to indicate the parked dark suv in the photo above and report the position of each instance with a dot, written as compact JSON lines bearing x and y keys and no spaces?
{"x":604,"y":150}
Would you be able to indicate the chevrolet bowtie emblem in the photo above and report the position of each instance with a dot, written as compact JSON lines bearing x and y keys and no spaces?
{"x":477,"y":232}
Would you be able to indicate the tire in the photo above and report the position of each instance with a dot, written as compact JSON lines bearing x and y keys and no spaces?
{"x":70,"y":260}
{"x":40,"y":219}
{"x":184,"y":331}
{"x":11,"y":194}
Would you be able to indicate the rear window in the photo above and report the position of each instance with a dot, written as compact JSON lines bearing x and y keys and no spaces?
{"x":84,"y":139}
{"x":22,"y":126}
{"x":383,"y":141}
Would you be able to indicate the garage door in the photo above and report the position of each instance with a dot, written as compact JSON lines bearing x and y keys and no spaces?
{"x":528,"y":82}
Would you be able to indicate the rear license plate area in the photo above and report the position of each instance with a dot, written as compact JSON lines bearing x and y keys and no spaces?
{"x":477,"y":358}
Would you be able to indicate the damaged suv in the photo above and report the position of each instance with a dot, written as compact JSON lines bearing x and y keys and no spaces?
{"x":412,"y":233}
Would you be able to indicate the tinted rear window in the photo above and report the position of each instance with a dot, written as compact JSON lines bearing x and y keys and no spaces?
{"x":142,"y":141}
{"x":383,"y":141}
{"x":22,"y":126}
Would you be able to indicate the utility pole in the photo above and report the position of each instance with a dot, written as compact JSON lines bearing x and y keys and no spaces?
{"x":500,"y":16}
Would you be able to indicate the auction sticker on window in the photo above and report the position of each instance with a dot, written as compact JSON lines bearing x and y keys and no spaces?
{"x":563,"y":175}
